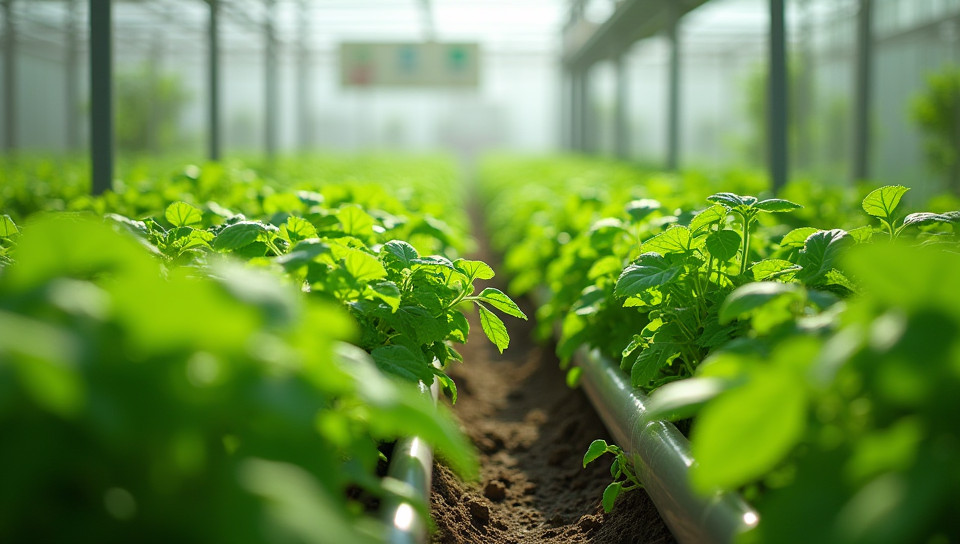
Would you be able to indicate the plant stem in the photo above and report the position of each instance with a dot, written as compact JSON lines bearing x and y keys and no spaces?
{"x":746,"y":244}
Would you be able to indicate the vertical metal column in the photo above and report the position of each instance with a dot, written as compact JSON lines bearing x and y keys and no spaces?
{"x":304,"y":111}
{"x":863,"y":95}
{"x":9,"y":78}
{"x":153,"y":73}
{"x":587,"y":142}
{"x":101,"y":94}
{"x":213,"y":82}
{"x":673,"y":91}
{"x":72,"y":77}
{"x":778,"y":110}
{"x":271,"y":75}
{"x":621,"y":120}
{"x":804,"y":88}
{"x":566,"y":131}
{"x":576,"y":110}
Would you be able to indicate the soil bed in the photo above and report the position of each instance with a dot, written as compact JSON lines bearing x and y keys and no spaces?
{"x":531,"y":431}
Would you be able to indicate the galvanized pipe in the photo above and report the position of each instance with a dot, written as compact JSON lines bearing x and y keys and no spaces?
{"x":412,"y":463}
{"x":661,"y":456}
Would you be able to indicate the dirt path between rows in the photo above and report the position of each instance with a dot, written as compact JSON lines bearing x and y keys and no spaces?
{"x":531,"y":431}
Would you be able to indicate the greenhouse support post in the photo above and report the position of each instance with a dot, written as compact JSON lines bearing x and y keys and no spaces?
{"x":586,"y":113}
{"x":621,"y":117}
{"x":673,"y":91}
{"x":862,"y":88}
{"x":213,"y":82}
{"x":577,"y":105}
{"x":303,"y":78}
{"x":101,"y":94}
{"x":271,"y":75}
{"x":566,"y":139}
{"x":72,"y":77}
{"x":9,"y":77}
{"x":778,"y":111}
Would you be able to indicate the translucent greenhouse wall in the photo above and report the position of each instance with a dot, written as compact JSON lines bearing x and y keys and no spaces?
{"x":518,"y":103}
{"x":515,"y":106}
{"x":724,"y":55}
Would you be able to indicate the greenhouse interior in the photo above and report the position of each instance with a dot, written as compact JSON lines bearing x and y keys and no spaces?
{"x":451,"y":271}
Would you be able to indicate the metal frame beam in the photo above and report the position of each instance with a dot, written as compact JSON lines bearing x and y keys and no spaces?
{"x":101,"y":94}
{"x":863,"y":98}
{"x":778,"y":114}
{"x":632,"y":20}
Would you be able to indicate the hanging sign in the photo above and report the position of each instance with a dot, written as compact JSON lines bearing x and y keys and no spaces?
{"x":428,"y":64}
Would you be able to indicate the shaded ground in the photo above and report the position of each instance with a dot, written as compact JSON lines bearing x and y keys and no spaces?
{"x":531,"y":431}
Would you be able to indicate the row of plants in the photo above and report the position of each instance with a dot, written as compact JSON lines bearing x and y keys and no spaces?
{"x":811,"y":337}
{"x":174,"y":368}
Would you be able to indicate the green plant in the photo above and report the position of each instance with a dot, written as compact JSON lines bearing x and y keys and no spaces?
{"x":621,"y":470}
{"x":839,"y":425}
{"x":145,"y":401}
{"x":937,"y":112}
{"x":149,"y":106}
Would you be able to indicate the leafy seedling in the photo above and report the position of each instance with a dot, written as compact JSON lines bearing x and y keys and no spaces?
{"x":624,"y":477}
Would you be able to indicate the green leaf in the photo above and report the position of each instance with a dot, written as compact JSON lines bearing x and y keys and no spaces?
{"x":501,"y":301}
{"x":676,"y":239}
{"x":650,"y":270}
{"x":181,"y":214}
{"x":683,"y":399}
{"x":401,"y":251}
{"x":610,"y":495}
{"x":7,"y":227}
{"x":747,"y":431}
{"x":925,"y":218}
{"x":302,"y":254}
{"x":400,"y":361}
{"x":728,"y":200}
{"x":596,"y":449}
{"x":474,"y":269}
{"x":711,"y":216}
{"x":297,"y":229}
{"x":449,"y":385}
{"x":355,"y":221}
{"x":797,"y":237}
{"x":820,"y":251}
{"x":238,"y":235}
{"x":459,"y":326}
{"x":605,"y":266}
{"x":776,"y":205}
{"x":747,"y":298}
{"x":420,"y":325}
{"x":773,"y":268}
{"x":640,"y":209}
{"x":649,"y":363}
{"x":883,"y":202}
{"x":495,"y":330}
{"x":723,"y":244}
{"x":362,"y":266}
{"x":388,"y":292}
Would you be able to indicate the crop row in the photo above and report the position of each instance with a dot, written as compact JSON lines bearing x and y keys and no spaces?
{"x":173,"y":365}
{"x":812,"y":337}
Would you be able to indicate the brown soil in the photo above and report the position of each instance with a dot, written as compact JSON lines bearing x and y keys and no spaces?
{"x":531,"y":431}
